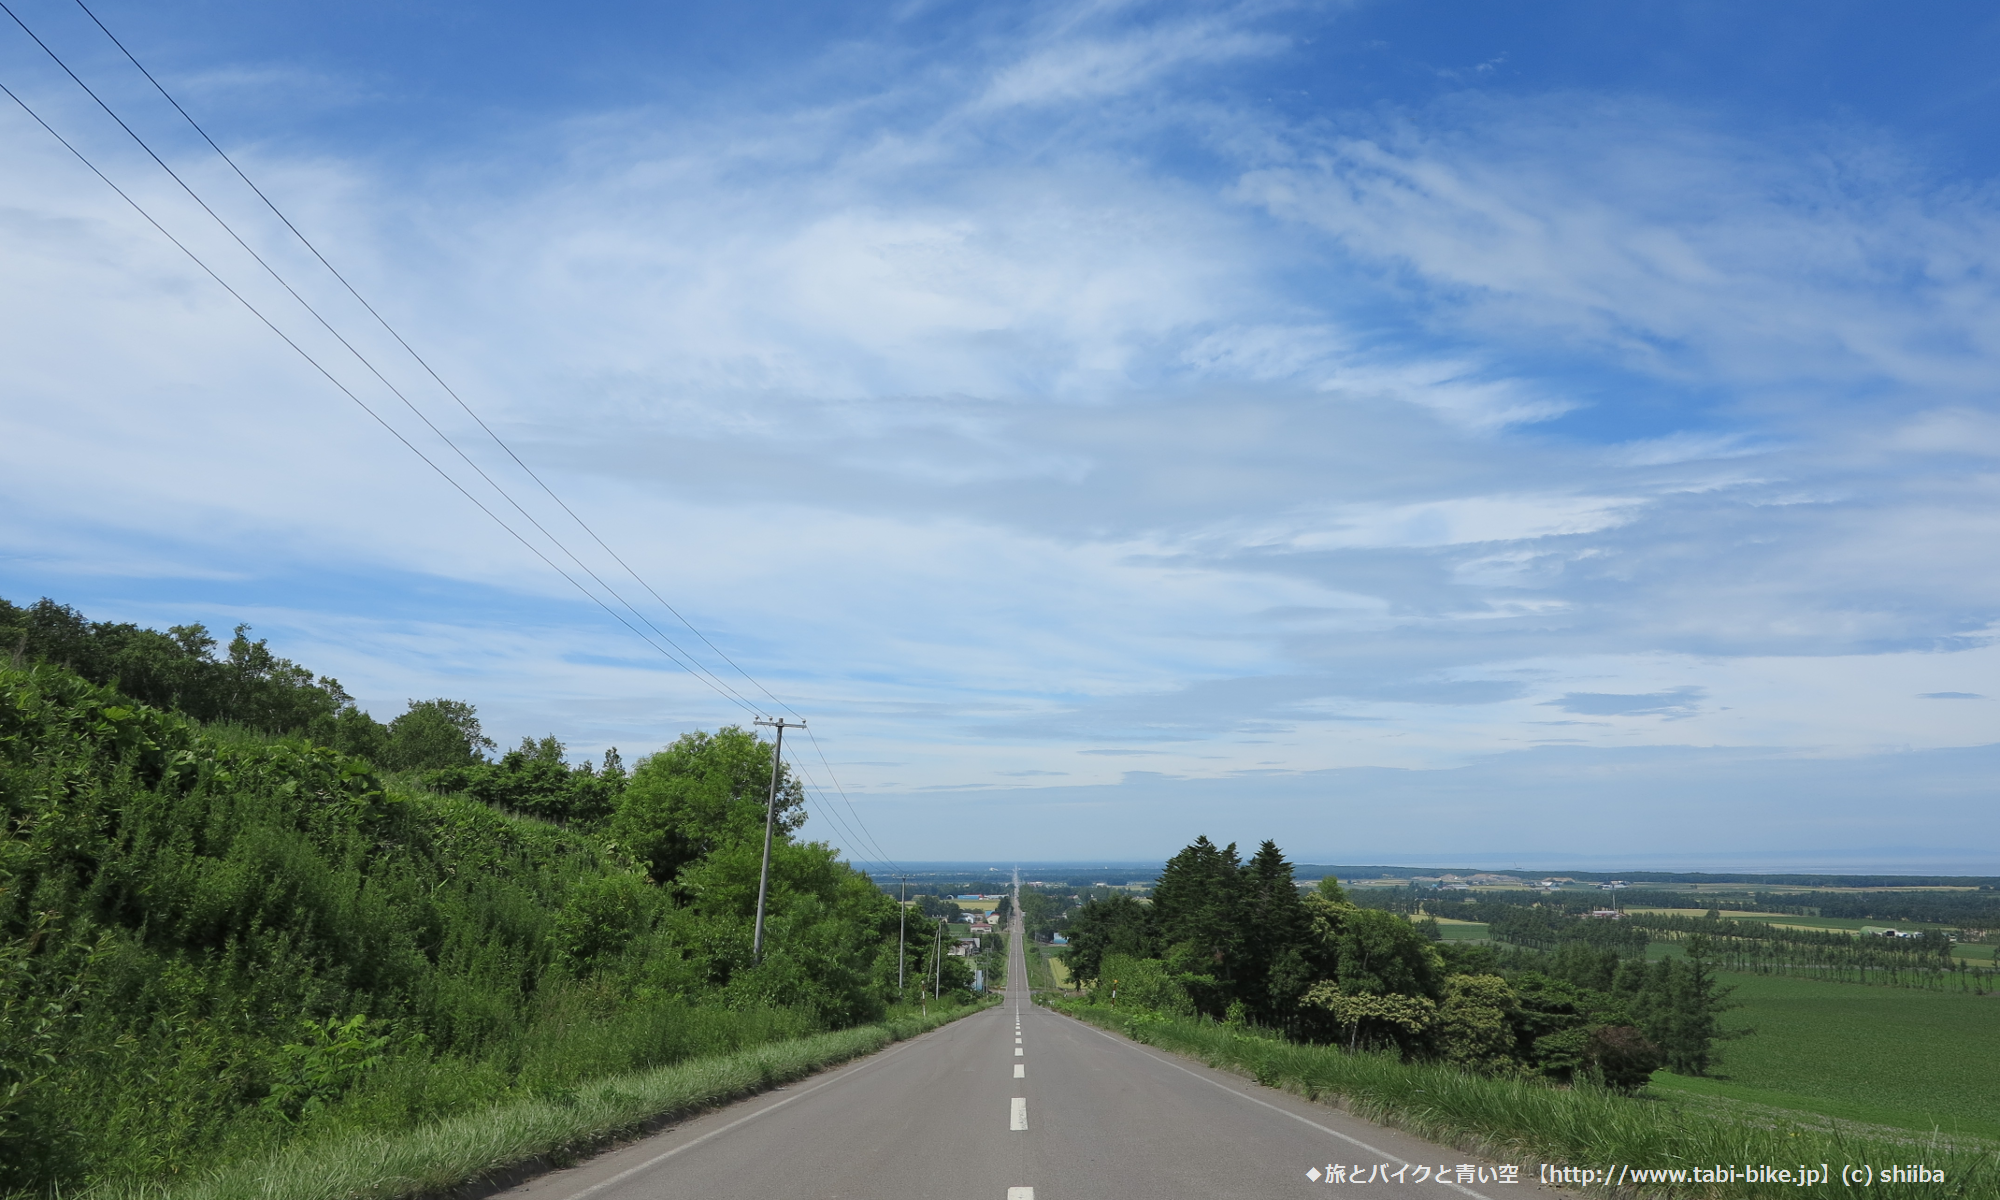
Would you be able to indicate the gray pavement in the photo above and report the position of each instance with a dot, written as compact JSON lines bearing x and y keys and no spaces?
{"x":1019,"y":1103}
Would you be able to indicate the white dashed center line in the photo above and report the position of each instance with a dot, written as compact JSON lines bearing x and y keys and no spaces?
{"x":1020,"y":1071}
{"x":1017,"y":1118}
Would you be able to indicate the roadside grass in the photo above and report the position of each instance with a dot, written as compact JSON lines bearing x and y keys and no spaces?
{"x":520,"y":1134}
{"x":1059,"y":970}
{"x":996,"y":961}
{"x":1906,"y":1057}
{"x":1765,"y":1104}
{"x":1532,"y":1122}
{"x":1039,"y":975}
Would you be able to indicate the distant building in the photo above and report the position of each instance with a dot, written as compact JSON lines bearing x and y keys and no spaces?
{"x":1607,"y":914}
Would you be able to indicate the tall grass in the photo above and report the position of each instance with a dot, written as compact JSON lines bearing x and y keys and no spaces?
{"x":1582,"y":1126}
{"x":1039,"y":976}
{"x":214,"y":943}
{"x":449,"y":1154}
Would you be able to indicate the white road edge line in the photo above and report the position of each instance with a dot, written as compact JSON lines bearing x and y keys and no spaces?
{"x":1017,"y":1114}
{"x":1274,"y":1108}
{"x":657,"y":1159}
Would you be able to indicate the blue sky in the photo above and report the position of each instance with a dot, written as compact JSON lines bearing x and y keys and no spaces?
{"x":1527,"y":432}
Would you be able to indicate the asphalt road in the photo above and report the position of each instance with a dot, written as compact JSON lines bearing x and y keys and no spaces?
{"x":1018,"y":1103}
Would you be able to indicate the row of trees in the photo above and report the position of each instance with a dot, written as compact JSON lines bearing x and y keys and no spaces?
{"x":1238,"y":941}
{"x":244,"y":684}
{"x":1757,"y":948}
{"x":1971,"y":908}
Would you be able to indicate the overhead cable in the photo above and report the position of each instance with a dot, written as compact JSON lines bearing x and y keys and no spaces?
{"x":692,"y":663}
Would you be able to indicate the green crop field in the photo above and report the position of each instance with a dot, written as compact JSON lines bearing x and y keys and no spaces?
{"x":1463,"y":931}
{"x":1882,"y":1055}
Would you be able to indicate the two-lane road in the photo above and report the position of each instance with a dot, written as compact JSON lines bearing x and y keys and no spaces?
{"x":1017,"y":1103}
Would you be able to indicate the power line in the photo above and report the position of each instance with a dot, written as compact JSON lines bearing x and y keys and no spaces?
{"x":844,"y":799}
{"x":315,"y":363}
{"x":420,"y":360}
{"x":859,"y":844}
{"x":692,"y":665}
{"x":697,"y":668}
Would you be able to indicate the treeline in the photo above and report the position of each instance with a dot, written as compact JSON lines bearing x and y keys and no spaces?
{"x":1964,"y":909}
{"x":1975,"y":910}
{"x":1753,"y":882}
{"x":1237,"y":942}
{"x":1048,"y":909}
{"x":214,"y":938}
{"x":249,"y":686}
{"x":1550,"y":930}
{"x":1829,"y":954}
{"x":246,"y":684}
{"x":1516,"y":919}
{"x":1755,"y":947}
{"x":1968,"y":909}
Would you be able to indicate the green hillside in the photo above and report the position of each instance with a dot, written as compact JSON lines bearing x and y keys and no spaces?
{"x":1890,"y":1056}
{"x":217,"y":940}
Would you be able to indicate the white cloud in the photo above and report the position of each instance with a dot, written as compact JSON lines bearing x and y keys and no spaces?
{"x":1074,"y":62}
{"x":1679,"y":249}
{"x":995,"y":434}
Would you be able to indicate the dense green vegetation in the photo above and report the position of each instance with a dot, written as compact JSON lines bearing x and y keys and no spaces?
{"x":1478,"y":1042}
{"x":1585,"y":1126}
{"x":247,"y":686}
{"x":219,"y":938}
{"x":1236,"y":941}
{"x":395,"y":1163}
{"x":1040,"y":977}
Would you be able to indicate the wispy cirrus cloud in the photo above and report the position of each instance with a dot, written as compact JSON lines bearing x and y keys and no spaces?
{"x":1674,"y":702}
{"x":1060,"y":395}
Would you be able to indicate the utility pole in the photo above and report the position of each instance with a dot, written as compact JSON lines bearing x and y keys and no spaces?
{"x":770,"y":820}
{"x":902,"y":923}
{"x":937,"y":961}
